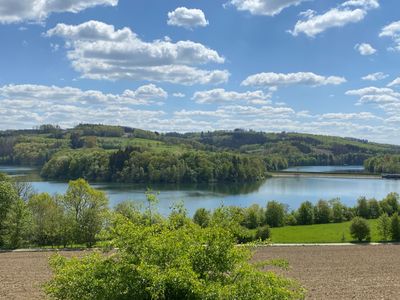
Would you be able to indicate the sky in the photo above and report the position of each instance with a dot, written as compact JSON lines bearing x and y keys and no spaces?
{"x":314,"y":66}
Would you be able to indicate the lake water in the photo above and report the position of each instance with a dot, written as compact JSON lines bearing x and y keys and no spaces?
{"x":291,"y":190}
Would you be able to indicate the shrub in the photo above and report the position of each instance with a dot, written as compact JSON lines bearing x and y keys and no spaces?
{"x":395,"y":227}
{"x":202,"y":217}
{"x":322,"y":212}
{"x":157,"y":262}
{"x":359,"y":229}
{"x":384,"y":227}
{"x":275,"y":214}
{"x":263,"y":233}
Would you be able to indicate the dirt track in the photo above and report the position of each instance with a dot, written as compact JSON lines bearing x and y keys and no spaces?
{"x":328,"y":272}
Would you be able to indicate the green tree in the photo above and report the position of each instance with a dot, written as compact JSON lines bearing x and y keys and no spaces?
{"x":384,"y":226}
{"x":47,"y":217}
{"x":390,"y":204}
{"x":359,"y":229}
{"x":163,"y":262}
{"x":17,"y":225}
{"x":253,"y":216}
{"x":395,"y":227}
{"x":305,"y":214}
{"x":362,"y":208}
{"x":275,"y":214}
{"x":337,"y":211}
{"x":8,"y":196}
{"x":86,"y":208}
{"x":202,"y":217}
{"x":374,"y":209}
{"x":322,"y":212}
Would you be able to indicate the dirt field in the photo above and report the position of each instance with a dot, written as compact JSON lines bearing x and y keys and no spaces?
{"x":328,"y":272}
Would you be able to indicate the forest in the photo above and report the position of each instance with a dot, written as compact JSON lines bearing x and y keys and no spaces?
{"x":383,"y":164}
{"x":114,"y":153}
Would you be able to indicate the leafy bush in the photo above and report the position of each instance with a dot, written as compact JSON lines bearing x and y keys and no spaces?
{"x":384,"y":227}
{"x":157,"y":262}
{"x":395,"y":227}
{"x":263,"y":233}
{"x":359,"y":229}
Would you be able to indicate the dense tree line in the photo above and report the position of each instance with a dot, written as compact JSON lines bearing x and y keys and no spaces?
{"x":44,"y":220}
{"x":140,"y":165}
{"x":383,"y":164}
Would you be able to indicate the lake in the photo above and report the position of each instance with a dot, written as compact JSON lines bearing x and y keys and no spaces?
{"x":291,"y":190}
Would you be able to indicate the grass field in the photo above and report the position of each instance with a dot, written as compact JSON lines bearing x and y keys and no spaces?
{"x":324,"y":233}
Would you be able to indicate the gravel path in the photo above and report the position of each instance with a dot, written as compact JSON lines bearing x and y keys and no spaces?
{"x":327,"y":272}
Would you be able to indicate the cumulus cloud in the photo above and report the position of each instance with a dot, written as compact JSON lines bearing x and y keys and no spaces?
{"x":352,"y":11}
{"x":394,"y":82}
{"x":223,"y":96}
{"x":187,"y":18}
{"x":264,"y":7}
{"x":301,"y":78}
{"x":375,"y":76}
{"x":15,"y":11}
{"x":365,"y":49}
{"x":393,"y":31}
{"x":99,"y":51}
{"x":24,"y":106}
{"x":375,"y":95}
{"x":38,"y":94}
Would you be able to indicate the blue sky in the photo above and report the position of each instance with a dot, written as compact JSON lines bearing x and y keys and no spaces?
{"x":317,"y":66}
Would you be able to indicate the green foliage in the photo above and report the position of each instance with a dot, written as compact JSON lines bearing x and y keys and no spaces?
{"x":8,"y":197}
{"x":86,"y":209}
{"x":383,"y":164}
{"x":384,"y":227}
{"x":263,"y":233}
{"x":322,"y":212}
{"x":362,"y":208}
{"x":390,"y":204}
{"x":164,"y":262}
{"x":202,"y":217}
{"x":17,"y":225}
{"x":275,"y":214}
{"x":359,"y":229}
{"x":305,"y":214}
{"x":395,"y":227}
{"x":253,"y":216}
{"x":48,"y":220}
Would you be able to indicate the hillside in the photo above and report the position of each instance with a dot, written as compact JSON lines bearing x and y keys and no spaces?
{"x":116,"y":153}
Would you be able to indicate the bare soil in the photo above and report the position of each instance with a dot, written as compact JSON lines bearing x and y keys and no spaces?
{"x":327,"y":272}
{"x":341,"y":272}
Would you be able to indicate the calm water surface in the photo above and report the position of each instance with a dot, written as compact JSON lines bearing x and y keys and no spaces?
{"x":289,"y":190}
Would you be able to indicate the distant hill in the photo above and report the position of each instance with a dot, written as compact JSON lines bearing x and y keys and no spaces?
{"x":276,"y":150}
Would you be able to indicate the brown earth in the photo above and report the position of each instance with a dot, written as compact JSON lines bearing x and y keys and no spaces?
{"x":327,"y":272}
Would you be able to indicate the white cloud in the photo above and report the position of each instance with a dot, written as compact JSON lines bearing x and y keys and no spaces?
{"x":24,"y":106}
{"x":393,"y":31}
{"x":394,"y":82}
{"x":316,"y":24}
{"x":264,"y":7}
{"x":352,"y":11}
{"x":375,"y":76}
{"x":348,"y":116}
{"x":365,"y":49}
{"x":15,"y":11}
{"x":222,"y":96}
{"x":179,"y":95}
{"x":375,"y":95}
{"x":366,"y":4}
{"x":98,"y":51}
{"x":187,"y":18}
{"x":301,"y":78}
{"x":39,"y":94}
